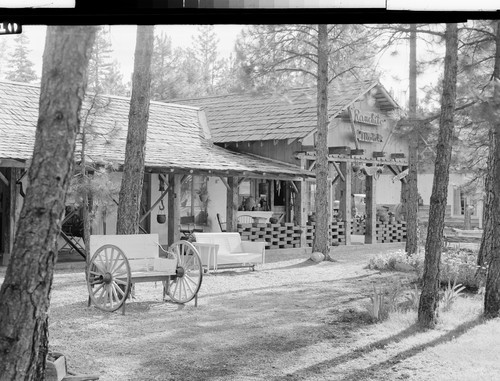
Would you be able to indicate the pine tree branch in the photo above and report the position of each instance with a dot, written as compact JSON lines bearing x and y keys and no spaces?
{"x":436,"y":116}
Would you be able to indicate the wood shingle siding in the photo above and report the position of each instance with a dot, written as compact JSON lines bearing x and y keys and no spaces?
{"x":178,"y":137}
{"x":277,"y":116}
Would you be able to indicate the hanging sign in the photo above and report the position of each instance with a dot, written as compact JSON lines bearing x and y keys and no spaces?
{"x":400,"y":176}
{"x":368,"y":117}
{"x":370,"y":137}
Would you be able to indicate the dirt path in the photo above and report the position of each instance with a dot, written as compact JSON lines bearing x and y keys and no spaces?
{"x":275,"y":322}
{"x":289,"y":320}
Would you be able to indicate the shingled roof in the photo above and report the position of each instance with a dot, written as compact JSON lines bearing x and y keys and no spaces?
{"x":178,"y":136}
{"x":290,"y":114}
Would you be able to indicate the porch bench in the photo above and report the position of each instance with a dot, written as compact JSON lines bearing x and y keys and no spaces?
{"x":227,"y":250}
{"x":460,"y":236}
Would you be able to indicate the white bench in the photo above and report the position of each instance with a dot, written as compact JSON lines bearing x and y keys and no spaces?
{"x":227,"y":250}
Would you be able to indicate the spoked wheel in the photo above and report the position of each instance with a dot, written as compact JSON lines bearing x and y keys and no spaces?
{"x":183,"y":287}
{"x":108,"y":278}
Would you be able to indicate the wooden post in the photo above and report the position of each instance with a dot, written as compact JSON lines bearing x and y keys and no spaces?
{"x":371,"y":210}
{"x":174,"y":209}
{"x":14,"y":172}
{"x":346,"y":199}
{"x":299,"y":211}
{"x":232,"y":204}
{"x":288,"y":209}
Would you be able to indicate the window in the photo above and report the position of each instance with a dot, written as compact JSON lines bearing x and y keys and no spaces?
{"x":194,"y":198}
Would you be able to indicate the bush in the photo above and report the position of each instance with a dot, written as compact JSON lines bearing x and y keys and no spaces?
{"x":457,"y":265}
{"x":389,"y":260}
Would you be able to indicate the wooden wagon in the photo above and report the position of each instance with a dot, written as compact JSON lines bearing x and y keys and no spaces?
{"x":119,"y":261}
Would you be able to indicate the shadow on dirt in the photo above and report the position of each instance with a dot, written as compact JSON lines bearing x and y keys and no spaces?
{"x":367,"y":373}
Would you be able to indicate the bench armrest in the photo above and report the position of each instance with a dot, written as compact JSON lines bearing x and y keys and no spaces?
{"x":254,"y":247}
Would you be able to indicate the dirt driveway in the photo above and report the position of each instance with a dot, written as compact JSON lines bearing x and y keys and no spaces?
{"x":279,"y":322}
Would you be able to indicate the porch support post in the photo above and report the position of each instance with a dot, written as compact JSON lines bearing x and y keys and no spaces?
{"x":288,"y":196}
{"x":232,"y":204}
{"x":346,"y":199}
{"x":299,"y":211}
{"x":174,"y":208}
{"x":371,"y":210}
{"x":9,"y":220}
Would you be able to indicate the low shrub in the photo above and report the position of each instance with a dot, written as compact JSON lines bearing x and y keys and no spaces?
{"x":450,"y":295}
{"x":457,"y":265}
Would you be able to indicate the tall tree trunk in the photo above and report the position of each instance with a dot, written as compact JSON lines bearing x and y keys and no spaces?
{"x":86,"y":206}
{"x":411,"y":198}
{"x":486,"y":247}
{"x":25,"y":292}
{"x":433,"y":246}
{"x":321,"y":236}
{"x":135,"y":152}
{"x":492,"y":294}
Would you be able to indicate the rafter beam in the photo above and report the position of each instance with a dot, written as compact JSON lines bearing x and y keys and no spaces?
{"x":4,"y":179}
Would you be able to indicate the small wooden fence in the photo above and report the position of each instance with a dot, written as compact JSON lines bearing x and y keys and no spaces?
{"x":287,"y":235}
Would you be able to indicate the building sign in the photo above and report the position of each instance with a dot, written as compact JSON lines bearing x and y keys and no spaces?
{"x":10,"y":28}
{"x":368,"y":118}
{"x":370,"y":137}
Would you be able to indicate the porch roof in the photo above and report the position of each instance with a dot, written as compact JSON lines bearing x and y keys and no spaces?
{"x":288,"y":114}
{"x":178,"y":136}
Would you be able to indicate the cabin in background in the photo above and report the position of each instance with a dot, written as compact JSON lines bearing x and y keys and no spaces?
{"x":367,"y":161}
{"x":182,"y":168}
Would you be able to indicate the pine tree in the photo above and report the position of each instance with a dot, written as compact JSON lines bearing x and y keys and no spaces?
{"x":4,"y":46}
{"x":275,"y":56}
{"x":21,"y":67}
{"x":168,"y":77}
{"x":135,"y":150}
{"x":321,"y":235}
{"x":430,"y":289}
{"x":205,"y":46}
{"x":25,"y":292}
{"x":492,"y":289}
{"x":104,"y":73}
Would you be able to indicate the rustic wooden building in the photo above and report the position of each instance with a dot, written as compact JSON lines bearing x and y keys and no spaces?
{"x":180,"y":160}
{"x":365,"y":156}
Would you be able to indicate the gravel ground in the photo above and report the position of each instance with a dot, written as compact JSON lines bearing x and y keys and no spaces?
{"x":288,"y":320}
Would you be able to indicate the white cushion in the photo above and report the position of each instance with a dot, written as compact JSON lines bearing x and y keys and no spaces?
{"x":223,"y":259}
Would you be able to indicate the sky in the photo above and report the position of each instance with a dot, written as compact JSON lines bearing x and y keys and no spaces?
{"x":394,"y":67}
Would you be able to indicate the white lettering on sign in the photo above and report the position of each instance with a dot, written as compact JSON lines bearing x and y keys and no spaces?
{"x":368,"y":118}
{"x":400,"y":176}
{"x":10,"y":28}
{"x":370,"y":137}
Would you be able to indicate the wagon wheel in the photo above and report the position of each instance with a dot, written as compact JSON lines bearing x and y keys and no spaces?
{"x":109,"y":278}
{"x":185,"y":285}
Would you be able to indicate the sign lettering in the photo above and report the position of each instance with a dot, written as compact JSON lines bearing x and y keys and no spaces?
{"x":368,"y":118}
{"x":10,"y":28}
{"x":370,"y":137}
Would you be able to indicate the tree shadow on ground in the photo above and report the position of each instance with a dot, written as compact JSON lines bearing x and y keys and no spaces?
{"x":451,"y":335}
{"x":305,"y":263}
{"x":366,"y":373}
